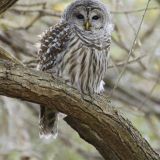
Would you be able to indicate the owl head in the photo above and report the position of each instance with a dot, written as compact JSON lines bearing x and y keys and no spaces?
{"x":88,"y":15}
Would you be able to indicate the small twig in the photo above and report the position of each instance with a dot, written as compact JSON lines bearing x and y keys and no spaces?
{"x":42,"y":11}
{"x":31,"y":5}
{"x":135,"y":11}
{"x":32,"y":22}
{"x":121,"y":45}
{"x":147,"y":75}
{"x":6,"y":38}
{"x":131,"y":50}
{"x":51,"y":13}
{"x":151,"y":29}
{"x":137,"y":44}
{"x":121,"y":64}
{"x":7,"y":56}
{"x":114,"y":65}
{"x":151,"y":91}
{"x":120,"y":39}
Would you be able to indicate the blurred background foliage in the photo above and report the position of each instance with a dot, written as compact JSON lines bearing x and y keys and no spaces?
{"x":136,"y":94}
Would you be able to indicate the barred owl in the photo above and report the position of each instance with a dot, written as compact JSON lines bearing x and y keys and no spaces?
{"x":76,"y":49}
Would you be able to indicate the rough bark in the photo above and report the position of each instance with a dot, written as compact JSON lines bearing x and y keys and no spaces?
{"x":5,"y":4}
{"x":96,"y":122}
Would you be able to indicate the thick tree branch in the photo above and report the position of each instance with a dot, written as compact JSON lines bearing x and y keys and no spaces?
{"x":98,"y":123}
{"x":5,"y":4}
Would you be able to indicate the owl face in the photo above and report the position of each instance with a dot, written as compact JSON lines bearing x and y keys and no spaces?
{"x":87,"y":15}
{"x":87,"y":18}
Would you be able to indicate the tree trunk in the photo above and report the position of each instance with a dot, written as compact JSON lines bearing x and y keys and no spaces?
{"x":96,"y":121}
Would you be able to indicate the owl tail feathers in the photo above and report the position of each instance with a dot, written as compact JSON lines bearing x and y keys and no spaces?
{"x":48,"y":127}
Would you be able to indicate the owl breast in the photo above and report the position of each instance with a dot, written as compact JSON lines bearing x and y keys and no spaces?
{"x":83,"y":65}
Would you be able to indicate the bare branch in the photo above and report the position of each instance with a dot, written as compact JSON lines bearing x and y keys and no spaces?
{"x":32,"y":4}
{"x":7,"y":56}
{"x":121,"y":64}
{"x":135,"y":11}
{"x":43,"y":12}
{"x":51,"y":13}
{"x":132,"y":48}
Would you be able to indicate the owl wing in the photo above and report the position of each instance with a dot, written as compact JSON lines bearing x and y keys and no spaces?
{"x":53,"y":43}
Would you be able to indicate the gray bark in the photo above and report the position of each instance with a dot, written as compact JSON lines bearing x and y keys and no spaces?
{"x":96,"y":122}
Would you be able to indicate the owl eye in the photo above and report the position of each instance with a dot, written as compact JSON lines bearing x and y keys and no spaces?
{"x":95,"y":17}
{"x":80,"y":16}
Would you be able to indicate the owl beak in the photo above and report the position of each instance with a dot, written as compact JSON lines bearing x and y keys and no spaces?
{"x":87,"y":25}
